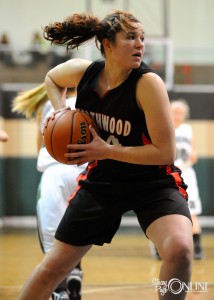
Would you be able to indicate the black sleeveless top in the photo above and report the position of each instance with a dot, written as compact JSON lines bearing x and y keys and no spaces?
{"x":120,"y":121}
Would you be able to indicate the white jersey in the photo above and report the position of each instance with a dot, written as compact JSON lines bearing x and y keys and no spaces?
{"x":183,"y":135}
{"x":57,"y":183}
{"x":44,"y":159}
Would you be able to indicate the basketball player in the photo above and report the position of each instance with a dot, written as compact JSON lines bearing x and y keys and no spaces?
{"x":130,"y":161}
{"x":185,"y":159}
{"x":57,"y":183}
{"x":3,"y":136}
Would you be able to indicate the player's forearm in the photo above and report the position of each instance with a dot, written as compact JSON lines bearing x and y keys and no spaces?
{"x":56,"y":94}
{"x":143,"y":155}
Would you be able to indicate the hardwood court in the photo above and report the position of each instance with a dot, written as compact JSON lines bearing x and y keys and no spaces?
{"x":122,"y":270}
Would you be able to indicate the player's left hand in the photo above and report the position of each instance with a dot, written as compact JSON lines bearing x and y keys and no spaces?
{"x":97,"y":149}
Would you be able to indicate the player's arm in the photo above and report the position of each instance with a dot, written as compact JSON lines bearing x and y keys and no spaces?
{"x":153,"y":100}
{"x":61,"y":77}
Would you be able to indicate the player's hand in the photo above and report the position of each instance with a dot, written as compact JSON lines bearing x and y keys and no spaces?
{"x":3,"y":136}
{"x":97,"y":149}
{"x":52,"y":116}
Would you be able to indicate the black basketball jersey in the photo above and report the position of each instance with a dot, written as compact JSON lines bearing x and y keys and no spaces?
{"x":120,"y":121}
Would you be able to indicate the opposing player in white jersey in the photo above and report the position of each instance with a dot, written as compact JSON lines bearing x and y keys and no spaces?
{"x":185,"y":159}
{"x":57,"y":183}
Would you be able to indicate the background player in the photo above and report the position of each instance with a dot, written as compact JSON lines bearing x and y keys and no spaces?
{"x":186,"y":157}
{"x":57,"y":183}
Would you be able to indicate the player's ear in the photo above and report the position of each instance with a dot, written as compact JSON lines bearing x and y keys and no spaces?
{"x":106,"y":44}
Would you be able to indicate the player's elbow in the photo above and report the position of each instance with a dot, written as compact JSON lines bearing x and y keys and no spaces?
{"x":168,"y":156}
{"x":48,"y":79}
{"x":169,"y":160}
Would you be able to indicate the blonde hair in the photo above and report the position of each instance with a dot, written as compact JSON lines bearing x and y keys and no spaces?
{"x":30,"y":102}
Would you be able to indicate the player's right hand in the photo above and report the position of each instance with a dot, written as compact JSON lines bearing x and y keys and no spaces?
{"x":52,"y":116}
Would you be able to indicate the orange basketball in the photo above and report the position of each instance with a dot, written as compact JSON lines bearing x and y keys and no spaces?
{"x":68,"y":127}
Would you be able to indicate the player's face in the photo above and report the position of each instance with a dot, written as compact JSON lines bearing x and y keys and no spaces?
{"x":179,"y":115}
{"x":128,"y":48}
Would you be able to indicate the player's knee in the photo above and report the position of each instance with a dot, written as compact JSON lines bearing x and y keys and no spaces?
{"x":183,"y":255}
{"x":179,"y":252}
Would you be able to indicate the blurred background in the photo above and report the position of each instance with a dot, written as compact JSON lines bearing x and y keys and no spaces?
{"x":179,"y":47}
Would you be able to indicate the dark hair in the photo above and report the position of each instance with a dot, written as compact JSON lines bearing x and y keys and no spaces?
{"x":77,"y":29}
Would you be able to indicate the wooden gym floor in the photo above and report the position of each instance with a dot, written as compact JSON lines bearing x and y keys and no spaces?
{"x":123,"y":270}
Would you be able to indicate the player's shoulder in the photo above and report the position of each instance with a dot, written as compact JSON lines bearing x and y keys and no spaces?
{"x":147,"y":76}
{"x":151,"y":83}
{"x":79,"y":63}
{"x":151,"y":77}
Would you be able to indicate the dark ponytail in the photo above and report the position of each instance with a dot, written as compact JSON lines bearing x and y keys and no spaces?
{"x":76,"y":30}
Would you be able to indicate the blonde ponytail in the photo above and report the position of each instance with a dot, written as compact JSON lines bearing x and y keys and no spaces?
{"x":30,"y":102}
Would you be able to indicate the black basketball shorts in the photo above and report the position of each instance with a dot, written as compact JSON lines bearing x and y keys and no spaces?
{"x":93,"y":217}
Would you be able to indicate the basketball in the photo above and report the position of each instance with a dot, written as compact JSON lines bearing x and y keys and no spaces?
{"x":68,"y":127}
